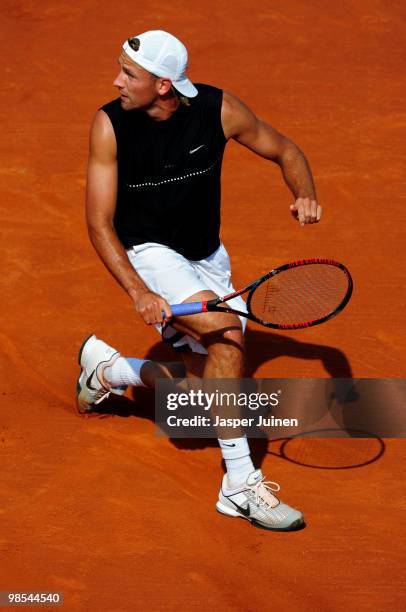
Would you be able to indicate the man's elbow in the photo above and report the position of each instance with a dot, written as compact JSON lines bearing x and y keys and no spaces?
{"x":289,"y":153}
{"x":98,"y":228}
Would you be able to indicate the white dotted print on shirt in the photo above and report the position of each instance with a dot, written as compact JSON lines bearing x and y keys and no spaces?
{"x":173,"y":179}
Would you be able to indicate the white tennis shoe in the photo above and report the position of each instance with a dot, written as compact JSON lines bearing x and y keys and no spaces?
{"x":255,"y":501}
{"x":91,"y":389}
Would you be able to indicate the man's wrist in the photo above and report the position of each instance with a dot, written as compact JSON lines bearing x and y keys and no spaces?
{"x":306,"y":194}
{"x":136,"y":292}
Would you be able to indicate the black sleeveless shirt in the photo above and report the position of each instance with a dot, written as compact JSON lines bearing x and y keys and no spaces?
{"x":169,"y":175}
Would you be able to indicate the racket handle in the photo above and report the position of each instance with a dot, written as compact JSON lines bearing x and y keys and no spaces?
{"x":186,"y":309}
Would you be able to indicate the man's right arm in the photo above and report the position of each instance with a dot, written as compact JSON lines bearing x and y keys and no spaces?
{"x":101,"y":197}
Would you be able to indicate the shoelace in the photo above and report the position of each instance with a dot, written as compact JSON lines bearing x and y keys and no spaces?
{"x":101,"y":393}
{"x":263,"y":495}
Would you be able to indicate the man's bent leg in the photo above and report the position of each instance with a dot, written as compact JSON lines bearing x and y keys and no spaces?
{"x":103,"y":371}
{"x":141,"y":372}
{"x":222,"y":336}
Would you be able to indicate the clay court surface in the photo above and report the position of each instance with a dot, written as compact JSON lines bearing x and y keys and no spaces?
{"x":101,"y":508}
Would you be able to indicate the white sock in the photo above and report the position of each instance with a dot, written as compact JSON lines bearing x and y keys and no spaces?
{"x":236,"y":454}
{"x":125,"y":371}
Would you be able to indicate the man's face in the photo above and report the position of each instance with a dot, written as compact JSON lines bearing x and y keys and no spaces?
{"x":138,"y":88}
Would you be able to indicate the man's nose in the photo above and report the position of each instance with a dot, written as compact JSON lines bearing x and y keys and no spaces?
{"x":118,"y":81}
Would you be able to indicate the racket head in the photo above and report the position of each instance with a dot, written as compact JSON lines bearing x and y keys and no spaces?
{"x":300,"y":294}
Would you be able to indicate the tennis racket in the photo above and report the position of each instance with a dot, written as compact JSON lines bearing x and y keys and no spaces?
{"x":296,"y":295}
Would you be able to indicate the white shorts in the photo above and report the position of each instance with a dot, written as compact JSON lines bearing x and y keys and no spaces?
{"x":175,"y":278}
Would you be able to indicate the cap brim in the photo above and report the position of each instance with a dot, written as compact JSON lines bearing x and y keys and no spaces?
{"x":185,"y":87}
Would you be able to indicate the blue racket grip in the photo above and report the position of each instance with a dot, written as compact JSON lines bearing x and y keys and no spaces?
{"x":186,"y":309}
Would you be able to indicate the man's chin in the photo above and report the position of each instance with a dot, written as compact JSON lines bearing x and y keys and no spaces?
{"x":125,"y":103}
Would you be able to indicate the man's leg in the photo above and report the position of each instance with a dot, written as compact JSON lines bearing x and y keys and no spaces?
{"x":141,"y":372}
{"x":104,"y":371}
{"x":244,"y":492}
{"x":222,"y":337}
{"x":220,"y":334}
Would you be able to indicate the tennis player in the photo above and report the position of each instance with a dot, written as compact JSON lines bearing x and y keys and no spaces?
{"x":153,"y":216}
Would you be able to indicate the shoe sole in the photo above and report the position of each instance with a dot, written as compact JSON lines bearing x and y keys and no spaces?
{"x":225,"y":510}
{"x":82,"y":403}
{"x":79,"y":387}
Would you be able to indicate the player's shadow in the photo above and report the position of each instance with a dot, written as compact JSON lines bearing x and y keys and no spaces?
{"x":261,"y":347}
{"x":265,"y":346}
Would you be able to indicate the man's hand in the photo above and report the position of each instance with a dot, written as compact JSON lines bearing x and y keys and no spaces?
{"x":150,"y":307}
{"x":306,"y":210}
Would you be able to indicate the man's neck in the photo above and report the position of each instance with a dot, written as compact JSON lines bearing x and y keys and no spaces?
{"x":163,"y":108}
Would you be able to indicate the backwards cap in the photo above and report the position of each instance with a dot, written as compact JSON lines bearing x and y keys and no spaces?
{"x":164,"y":56}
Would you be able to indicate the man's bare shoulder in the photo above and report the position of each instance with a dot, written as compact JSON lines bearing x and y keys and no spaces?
{"x":230,"y":105}
{"x":101,"y":123}
{"x":236,"y":116}
{"x":102,"y":137}
{"x":230,"y":101}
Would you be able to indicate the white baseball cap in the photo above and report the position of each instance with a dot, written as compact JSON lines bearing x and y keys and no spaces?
{"x":164,"y":56}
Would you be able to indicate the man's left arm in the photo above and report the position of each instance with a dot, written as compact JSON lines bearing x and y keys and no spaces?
{"x":240,"y":123}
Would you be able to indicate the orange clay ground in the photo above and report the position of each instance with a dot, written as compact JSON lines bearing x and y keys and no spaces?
{"x":101,"y":508}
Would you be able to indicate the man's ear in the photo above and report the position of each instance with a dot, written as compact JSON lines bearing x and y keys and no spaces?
{"x":164,"y":86}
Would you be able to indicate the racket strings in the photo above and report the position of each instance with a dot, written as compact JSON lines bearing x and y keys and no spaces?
{"x":300,"y":295}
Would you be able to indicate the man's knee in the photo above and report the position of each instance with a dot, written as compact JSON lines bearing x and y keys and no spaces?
{"x":225,"y":332}
{"x":226,"y":351}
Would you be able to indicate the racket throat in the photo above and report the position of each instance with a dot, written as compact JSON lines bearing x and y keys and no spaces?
{"x":212,"y":305}
{"x":220,"y":305}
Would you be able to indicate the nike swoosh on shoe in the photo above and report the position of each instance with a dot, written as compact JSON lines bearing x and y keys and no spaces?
{"x":245,"y":511}
{"x":89,"y":382}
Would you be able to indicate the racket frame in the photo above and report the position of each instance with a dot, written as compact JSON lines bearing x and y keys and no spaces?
{"x":217,"y":304}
